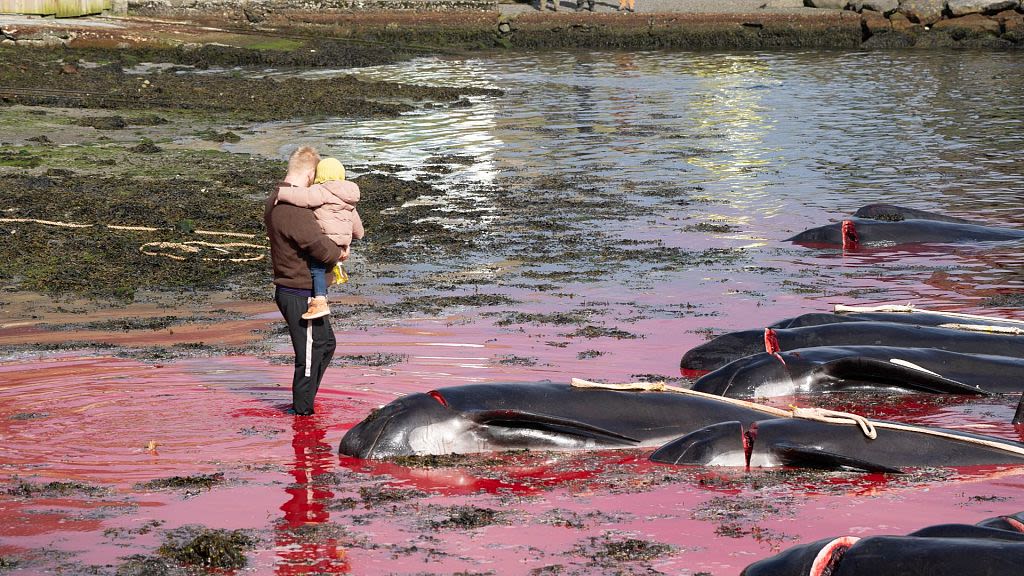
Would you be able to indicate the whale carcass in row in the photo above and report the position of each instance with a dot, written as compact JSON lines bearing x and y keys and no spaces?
{"x":989,"y":548}
{"x":893,"y":225}
{"x":692,"y":428}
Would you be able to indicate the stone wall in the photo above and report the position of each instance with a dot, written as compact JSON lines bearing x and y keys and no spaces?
{"x":254,"y":10}
{"x":936,"y":23}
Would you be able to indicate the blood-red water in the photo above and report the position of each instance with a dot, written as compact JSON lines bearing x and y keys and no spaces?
{"x":93,"y":419}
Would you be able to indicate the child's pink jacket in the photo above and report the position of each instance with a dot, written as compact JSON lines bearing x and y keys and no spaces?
{"x":333,"y":205}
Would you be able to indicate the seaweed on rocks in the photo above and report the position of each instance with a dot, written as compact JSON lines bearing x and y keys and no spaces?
{"x":24,"y":489}
{"x":196,"y":481}
{"x":466,"y":518}
{"x":222,"y":193}
{"x":252,"y":98}
{"x":208,"y":548}
{"x":141,"y":565}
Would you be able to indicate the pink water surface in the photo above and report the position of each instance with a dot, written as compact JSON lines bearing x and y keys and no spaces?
{"x":99,"y":415}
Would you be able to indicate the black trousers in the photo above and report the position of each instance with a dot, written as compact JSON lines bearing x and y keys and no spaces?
{"x":311,"y":359}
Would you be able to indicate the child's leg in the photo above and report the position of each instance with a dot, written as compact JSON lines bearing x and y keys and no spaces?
{"x":318,"y":303}
{"x":319,"y":273}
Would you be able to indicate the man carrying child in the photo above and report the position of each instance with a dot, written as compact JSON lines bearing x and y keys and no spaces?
{"x":296,"y":239}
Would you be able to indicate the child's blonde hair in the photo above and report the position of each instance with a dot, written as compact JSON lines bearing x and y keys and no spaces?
{"x":304,"y":158}
{"x":329,"y":169}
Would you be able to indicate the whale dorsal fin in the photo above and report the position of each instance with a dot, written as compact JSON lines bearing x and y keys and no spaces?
{"x":811,"y":457}
{"x":533,"y":420}
{"x":900,"y":374}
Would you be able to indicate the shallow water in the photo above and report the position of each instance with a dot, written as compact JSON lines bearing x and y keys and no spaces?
{"x":764,"y":144}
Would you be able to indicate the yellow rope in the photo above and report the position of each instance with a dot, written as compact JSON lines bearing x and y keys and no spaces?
{"x":233,"y":234}
{"x":816,"y":414}
{"x":133,"y":228}
{"x":662,"y":387}
{"x":191,"y":248}
{"x":187,"y":247}
{"x":47,"y":222}
{"x":899,"y":308}
{"x":990,"y":329}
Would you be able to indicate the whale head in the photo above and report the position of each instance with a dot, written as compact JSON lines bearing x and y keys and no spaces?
{"x":816,"y":558}
{"x":416,"y":424}
{"x":757,"y":375}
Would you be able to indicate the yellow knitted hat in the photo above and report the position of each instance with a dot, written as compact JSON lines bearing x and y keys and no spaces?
{"x":329,"y":169}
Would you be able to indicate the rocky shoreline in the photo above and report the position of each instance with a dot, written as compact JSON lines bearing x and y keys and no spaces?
{"x":936,"y":23}
{"x":423,"y":26}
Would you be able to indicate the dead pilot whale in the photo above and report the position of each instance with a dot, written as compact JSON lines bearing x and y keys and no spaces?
{"x":894,"y":213}
{"x":797,"y":442}
{"x":735,"y":345}
{"x":538,"y":416}
{"x":828,"y":368}
{"x":918,"y":318}
{"x":992,"y":547}
{"x":854,"y":232}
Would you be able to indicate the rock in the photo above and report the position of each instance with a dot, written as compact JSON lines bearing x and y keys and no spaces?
{"x":45,"y":39}
{"x":965,"y":7}
{"x":889,"y":41}
{"x":925,"y":12}
{"x":884,"y":6}
{"x":900,"y":22}
{"x":975,"y":23}
{"x":875,"y":22}
{"x":254,"y":14}
{"x":1010,"y":20}
{"x":146,"y":146}
{"x":833,"y":4}
{"x":103,"y":122}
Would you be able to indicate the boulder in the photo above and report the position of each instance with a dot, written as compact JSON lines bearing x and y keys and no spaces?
{"x":1010,"y":20}
{"x":900,"y":22}
{"x":883,"y":6}
{"x":889,"y":41}
{"x":875,"y":22}
{"x":976,"y":23}
{"x":834,"y":4}
{"x":925,"y":12}
{"x":965,"y":7}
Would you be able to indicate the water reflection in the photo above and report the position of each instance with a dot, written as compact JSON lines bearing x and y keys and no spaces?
{"x":301,"y":547}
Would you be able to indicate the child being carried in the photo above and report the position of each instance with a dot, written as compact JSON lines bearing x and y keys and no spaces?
{"x":333,"y":200}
